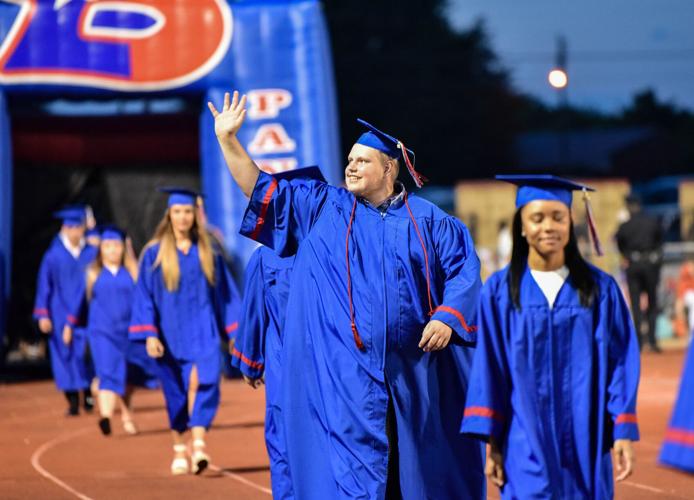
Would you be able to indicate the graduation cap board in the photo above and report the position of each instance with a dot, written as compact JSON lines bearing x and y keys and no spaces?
{"x":180,"y":196}
{"x":112,"y":232}
{"x":550,"y":187}
{"x":385,"y":143}
{"x":72,"y":215}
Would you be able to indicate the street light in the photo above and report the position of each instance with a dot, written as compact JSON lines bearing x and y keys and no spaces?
{"x":558,"y":78}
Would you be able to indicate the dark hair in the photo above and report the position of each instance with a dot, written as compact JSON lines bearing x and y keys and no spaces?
{"x":580,"y":273}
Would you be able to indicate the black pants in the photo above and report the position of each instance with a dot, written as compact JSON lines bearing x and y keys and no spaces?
{"x":393,"y":485}
{"x":644,"y":277}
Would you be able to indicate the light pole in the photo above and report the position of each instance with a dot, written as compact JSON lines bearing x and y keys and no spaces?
{"x":558,"y":78}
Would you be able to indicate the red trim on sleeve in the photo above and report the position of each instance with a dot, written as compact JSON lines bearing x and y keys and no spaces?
{"x":41,"y":312}
{"x":481,"y":411}
{"x":263,"y":209}
{"x":626,"y":418}
{"x":459,"y":316}
{"x":253,"y":364}
{"x":232,"y":327}
{"x":72,"y":320}
{"x":143,"y":328}
{"x":680,"y":437}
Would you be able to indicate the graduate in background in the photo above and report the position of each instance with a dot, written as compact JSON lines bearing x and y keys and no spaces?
{"x":257,"y":351}
{"x":93,"y":233}
{"x":185,"y":298}
{"x":106,"y":300}
{"x":379,"y":329}
{"x":60,"y":277}
{"x":678,"y":448}
{"x":555,"y":375}
{"x":258,"y":347}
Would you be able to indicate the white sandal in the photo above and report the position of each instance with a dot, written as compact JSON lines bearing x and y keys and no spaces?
{"x":179,"y":466}
{"x":200,"y":460}
{"x":129,"y":427}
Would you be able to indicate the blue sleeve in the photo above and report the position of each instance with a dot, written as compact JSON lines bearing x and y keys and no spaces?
{"x":623,"y":367}
{"x":77,"y":313}
{"x":281,"y":213}
{"x":143,"y":322}
{"x":227,"y":299}
{"x":248,"y":353}
{"x":44,"y":289}
{"x":461,"y":269}
{"x":488,"y":407}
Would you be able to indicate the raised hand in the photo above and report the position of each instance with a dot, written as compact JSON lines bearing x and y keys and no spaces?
{"x":228,"y":122}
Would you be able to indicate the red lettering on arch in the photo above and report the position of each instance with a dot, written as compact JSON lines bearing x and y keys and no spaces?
{"x":271,"y":138}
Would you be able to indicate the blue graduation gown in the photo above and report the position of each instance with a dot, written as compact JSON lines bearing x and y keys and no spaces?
{"x":334,"y":407}
{"x":118,"y":360}
{"x":188,"y":320}
{"x":678,"y":448}
{"x":257,"y":351}
{"x":554,"y":386}
{"x":59,"y":282}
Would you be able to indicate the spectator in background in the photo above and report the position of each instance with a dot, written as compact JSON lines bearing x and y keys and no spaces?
{"x":504,"y":244}
{"x":684,"y":302}
{"x":640,"y":241}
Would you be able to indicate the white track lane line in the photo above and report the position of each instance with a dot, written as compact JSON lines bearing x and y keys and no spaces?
{"x":240,"y":479}
{"x":644,"y":487}
{"x":36,"y":457}
{"x":36,"y":460}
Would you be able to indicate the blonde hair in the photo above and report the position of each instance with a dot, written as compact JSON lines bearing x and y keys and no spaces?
{"x":394,"y":162}
{"x":95,"y":268}
{"x":167,"y":257}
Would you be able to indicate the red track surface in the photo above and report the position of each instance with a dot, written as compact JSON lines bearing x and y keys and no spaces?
{"x":42,"y":450}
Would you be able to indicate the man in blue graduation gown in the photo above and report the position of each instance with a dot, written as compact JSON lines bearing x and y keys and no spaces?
{"x":60,"y":280}
{"x":383,"y":281}
{"x":257,"y":350}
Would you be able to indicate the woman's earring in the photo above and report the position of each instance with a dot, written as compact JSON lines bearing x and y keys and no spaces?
{"x":523,"y":234}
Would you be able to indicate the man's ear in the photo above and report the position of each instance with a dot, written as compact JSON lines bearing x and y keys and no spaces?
{"x":389,"y":166}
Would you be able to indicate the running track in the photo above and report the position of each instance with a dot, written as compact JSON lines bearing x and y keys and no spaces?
{"x":46,"y":455}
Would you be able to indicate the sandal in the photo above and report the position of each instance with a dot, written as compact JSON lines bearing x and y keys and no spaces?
{"x":129,"y":427}
{"x":179,"y":466}
{"x":200,"y":460}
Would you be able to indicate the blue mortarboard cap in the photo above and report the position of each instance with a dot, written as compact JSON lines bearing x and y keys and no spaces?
{"x":375,"y":138}
{"x":180,"y":196}
{"x":385,"y":143}
{"x":312,"y":172}
{"x":543,"y":187}
{"x":95,"y":231}
{"x":71,"y":215}
{"x":112,"y":232}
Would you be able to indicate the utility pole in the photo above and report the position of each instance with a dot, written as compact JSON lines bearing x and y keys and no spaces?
{"x":559,"y":79}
